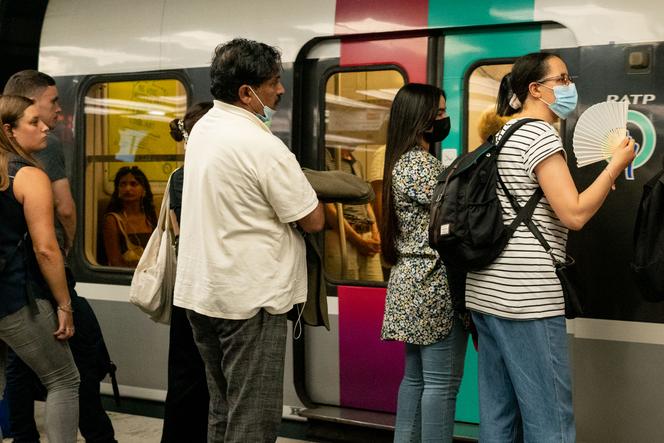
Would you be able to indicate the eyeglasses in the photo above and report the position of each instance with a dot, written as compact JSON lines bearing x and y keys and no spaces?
{"x":564,"y":79}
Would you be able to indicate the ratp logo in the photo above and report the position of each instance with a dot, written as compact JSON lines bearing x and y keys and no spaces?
{"x":646,"y":148}
{"x":639,"y":121}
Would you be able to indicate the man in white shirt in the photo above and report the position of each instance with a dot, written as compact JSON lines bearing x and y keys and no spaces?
{"x":241,"y":263}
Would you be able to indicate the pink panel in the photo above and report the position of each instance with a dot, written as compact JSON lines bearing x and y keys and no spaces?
{"x":409,"y":53}
{"x":370,"y":369}
{"x":353,"y":16}
{"x":366,"y":16}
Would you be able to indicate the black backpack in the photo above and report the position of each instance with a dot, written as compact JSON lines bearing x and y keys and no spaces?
{"x":648,"y":262}
{"x":466,"y":221}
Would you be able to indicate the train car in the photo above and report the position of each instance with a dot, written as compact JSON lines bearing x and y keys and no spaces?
{"x":124,"y":69}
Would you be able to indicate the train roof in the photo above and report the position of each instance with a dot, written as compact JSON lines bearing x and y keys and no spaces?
{"x":110,"y":36}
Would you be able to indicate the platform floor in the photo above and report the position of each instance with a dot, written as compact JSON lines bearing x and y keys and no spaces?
{"x":128,"y":428}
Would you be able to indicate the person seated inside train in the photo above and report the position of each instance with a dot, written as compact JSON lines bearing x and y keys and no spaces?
{"x":362,"y":239}
{"x":130,"y":218}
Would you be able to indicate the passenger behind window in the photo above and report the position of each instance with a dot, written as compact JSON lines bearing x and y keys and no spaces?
{"x":129,"y":219}
{"x":362,"y":239}
{"x":490,"y":123}
{"x":375,"y":178}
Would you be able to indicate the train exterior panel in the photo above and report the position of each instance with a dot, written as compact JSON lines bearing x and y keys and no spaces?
{"x":343,"y":60}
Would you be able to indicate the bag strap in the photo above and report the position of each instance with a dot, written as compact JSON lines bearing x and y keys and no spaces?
{"x":528,"y":210}
{"x":164,"y":221}
{"x":522,"y":214}
{"x":130,"y":244}
{"x":121,"y":227}
{"x":512,"y":129}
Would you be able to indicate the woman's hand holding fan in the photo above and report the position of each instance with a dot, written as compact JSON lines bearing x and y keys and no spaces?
{"x":599,"y":132}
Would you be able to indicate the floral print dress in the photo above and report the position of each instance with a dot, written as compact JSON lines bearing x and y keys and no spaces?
{"x":418,"y":308}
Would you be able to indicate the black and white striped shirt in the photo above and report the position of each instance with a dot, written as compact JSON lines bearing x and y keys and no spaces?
{"x":521,"y":284}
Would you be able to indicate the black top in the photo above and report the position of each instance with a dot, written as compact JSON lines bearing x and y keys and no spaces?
{"x":175,"y":192}
{"x":52,"y":160}
{"x":18,"y":263}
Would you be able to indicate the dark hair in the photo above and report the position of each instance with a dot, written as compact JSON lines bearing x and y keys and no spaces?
{"x":526,"y":70}
{"x":29,"y":83}
{"x":241,"y":62}
{"x":413,"y":111}
{"x":147,"y":203}
{"x":179,"y":131}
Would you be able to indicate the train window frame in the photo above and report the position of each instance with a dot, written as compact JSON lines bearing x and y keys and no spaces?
{"x":85,"y":269}
{"x":466,"y":94}
{"x":322,"y":107}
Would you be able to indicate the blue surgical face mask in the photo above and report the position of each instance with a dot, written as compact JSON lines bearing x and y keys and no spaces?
{"x":268,"y":112}
{"x":565,"y":102}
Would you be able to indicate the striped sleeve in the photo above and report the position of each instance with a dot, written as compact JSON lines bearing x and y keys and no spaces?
{"x":545,"y":145}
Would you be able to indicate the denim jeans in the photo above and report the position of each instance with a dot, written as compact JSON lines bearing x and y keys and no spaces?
{"x":23,"y":386}
{"x":30,"y":335}
{"x":524,"y":380}
{"x":427,"y":394}
{"x":244,"y":365}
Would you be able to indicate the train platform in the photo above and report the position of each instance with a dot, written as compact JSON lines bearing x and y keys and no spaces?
{"x":139,"y":421}
{"x":129,"y":428}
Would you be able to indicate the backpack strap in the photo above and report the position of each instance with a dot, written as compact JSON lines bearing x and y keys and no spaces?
{"x":512,"y":129}
{"x":522,"y":214}
{"x":525,"y":214}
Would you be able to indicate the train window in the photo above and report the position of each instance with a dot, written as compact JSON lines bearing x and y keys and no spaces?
{"x":357,"y":107}
{"x":483,"y":86}
{"x":129,"y":157}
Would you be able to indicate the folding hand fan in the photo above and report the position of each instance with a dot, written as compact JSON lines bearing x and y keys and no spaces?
{"x":599,"y":129}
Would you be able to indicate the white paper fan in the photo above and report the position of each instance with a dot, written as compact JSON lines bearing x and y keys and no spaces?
{"x":598,"y":130}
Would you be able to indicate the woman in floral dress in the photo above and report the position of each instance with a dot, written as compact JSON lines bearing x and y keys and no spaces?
{"x":418,"y":310}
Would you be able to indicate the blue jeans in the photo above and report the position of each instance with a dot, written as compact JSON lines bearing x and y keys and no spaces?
{"x":23,"y":386}
{"x":524,"y":380}
{"x":30,"y":335}
{"x":427,"y":394}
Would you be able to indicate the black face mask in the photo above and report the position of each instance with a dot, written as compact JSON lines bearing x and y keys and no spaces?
{"x":441,"y":128}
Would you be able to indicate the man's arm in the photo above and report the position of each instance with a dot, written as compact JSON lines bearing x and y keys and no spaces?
{"x":65,"y":210}
{"x":314,"y":221}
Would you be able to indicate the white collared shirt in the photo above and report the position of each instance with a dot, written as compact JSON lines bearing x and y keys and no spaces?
{"x":242,"y":189}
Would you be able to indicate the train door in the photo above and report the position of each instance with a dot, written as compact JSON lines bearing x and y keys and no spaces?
{"x":349,"y":374}
{"x":348,"y":89}
{"x":345,"y":105}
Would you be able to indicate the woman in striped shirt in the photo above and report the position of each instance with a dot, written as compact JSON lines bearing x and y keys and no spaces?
{"x":517,"y":302}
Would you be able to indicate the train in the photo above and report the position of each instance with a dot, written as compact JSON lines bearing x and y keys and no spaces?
{"x":125,"y":68}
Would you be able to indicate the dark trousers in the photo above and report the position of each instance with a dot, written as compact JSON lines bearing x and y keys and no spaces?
{"x":23,"y":386}
{"x":244,"y":364}
{"x":186,"y":408}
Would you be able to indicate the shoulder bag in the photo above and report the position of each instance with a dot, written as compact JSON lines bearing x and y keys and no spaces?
{"x":154,"y":278}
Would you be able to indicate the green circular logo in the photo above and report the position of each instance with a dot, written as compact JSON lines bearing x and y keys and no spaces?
{"x":649,"y":139}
